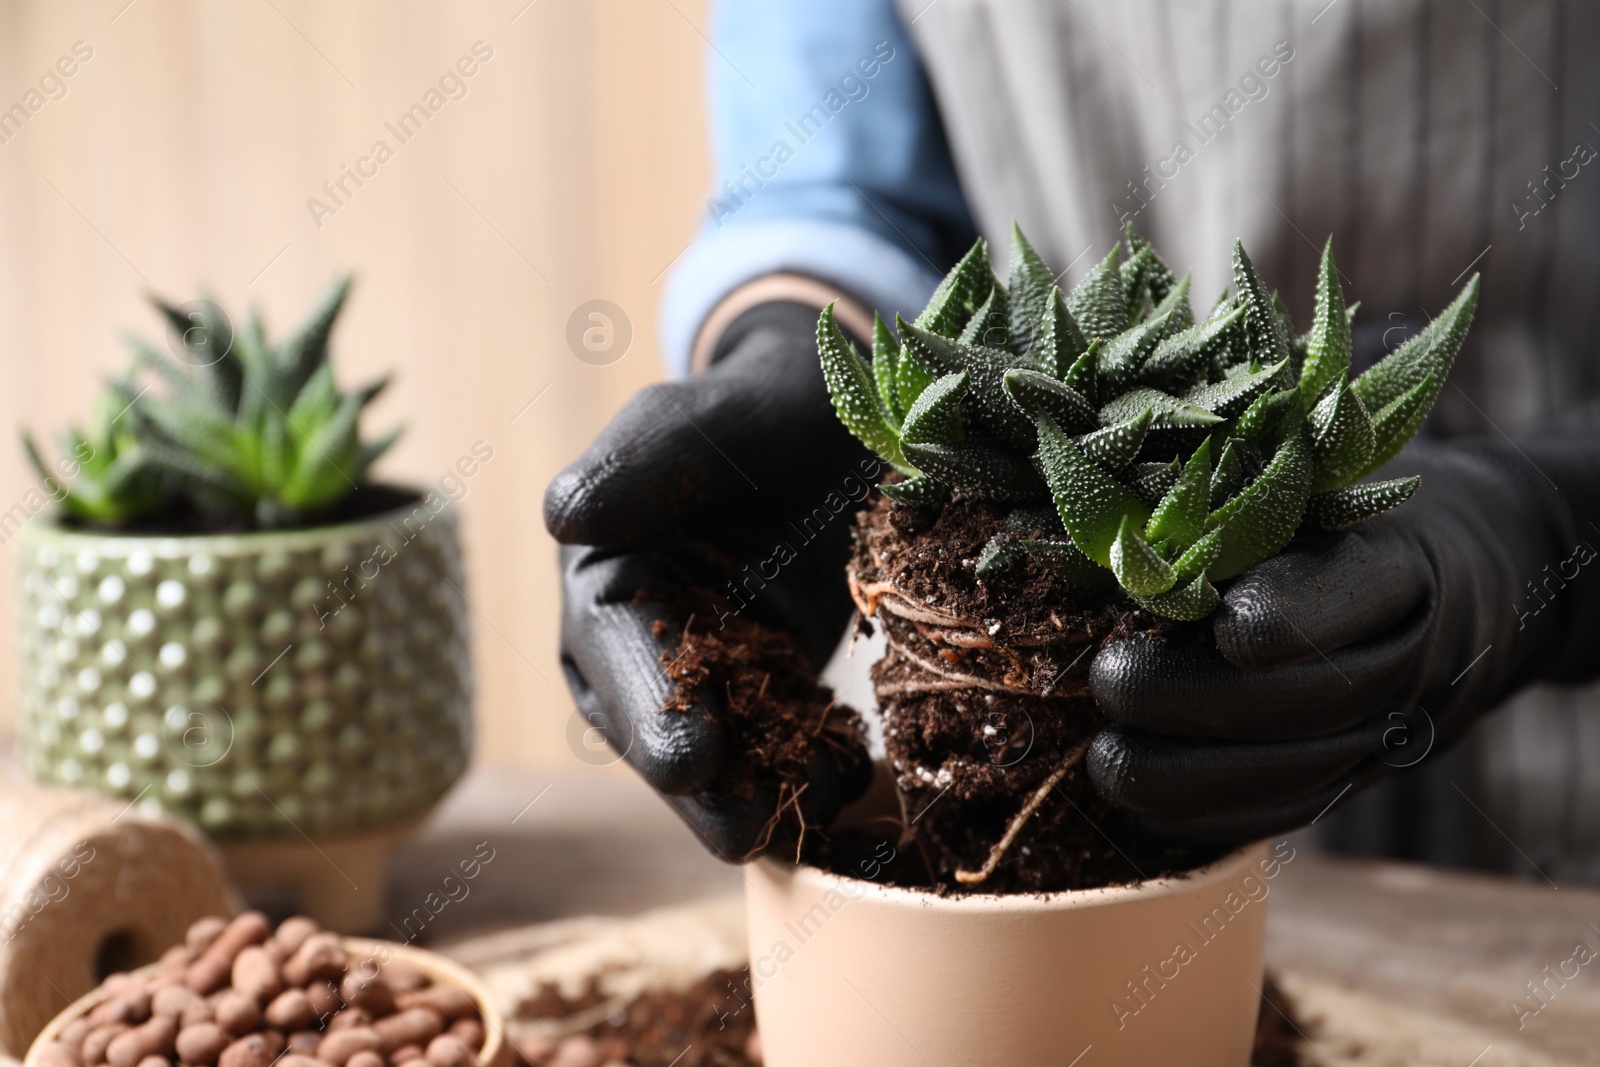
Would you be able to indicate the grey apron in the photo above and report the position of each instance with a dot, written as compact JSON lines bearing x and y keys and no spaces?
{"x":1431,"y":140}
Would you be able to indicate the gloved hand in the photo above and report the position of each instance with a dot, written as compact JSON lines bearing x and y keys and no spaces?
{"x":695,"y":484}
{"x":1351,"y":655}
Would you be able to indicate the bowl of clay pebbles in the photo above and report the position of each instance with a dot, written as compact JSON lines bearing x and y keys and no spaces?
{"x":238,"y":993}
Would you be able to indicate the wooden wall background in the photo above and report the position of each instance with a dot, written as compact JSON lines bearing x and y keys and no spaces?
{"x":182,"y":156}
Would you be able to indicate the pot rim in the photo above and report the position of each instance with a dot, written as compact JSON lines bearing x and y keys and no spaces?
{"x":969,"y":904}
{"x":114,"y":543}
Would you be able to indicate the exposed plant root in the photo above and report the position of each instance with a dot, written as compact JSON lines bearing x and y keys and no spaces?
{"x":981,"y":875}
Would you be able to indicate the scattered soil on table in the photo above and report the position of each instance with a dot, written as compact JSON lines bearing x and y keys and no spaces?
{"x":765,"y":693}
{"x":986,"y":704}
{"x":714,"y":1021}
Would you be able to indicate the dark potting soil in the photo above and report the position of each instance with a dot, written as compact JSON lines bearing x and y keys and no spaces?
{"x":986,"y":705}
{"x":363,"y":502}
{"x":712,"y":1024}
{"x":762,"y":687}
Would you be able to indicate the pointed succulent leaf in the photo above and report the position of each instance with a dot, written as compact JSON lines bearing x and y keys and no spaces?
{"x":1342,"y":439}
{"x":1034,"y":519}
{"x":1187,"y":603}
{"x":1153,"y":481}
{"x":853,"y":390}
{"x":1229,"y":477}
{"x":1264,"y":334}
{"x":1265,"y":421}
{"x":1180,"y":518}
{"x":1186,"y":356}
{"x":986,"y":399}
{"x":1345,"y":507}
{"x":1084,"y":373}
{"x":1091,"y":503}
{"x":1198,"y":557}
{"x":1173,"y":308}
{"x":918,"y":491}
{"x":935,"y":419}
{"x":1124,"y":355}
{"x":978,"y":469}
{"x":1233,"y":395}
{"x":1135,"y":276}
{"x":1030,"y":284}
{"x":1297,"y":351}
{"x":1328,"y":344}
{"x":1097,"y":302}
{"x":885,"y":363}
{"x":1259,"y":521}
{"x":911,"y":376}
{"x":1167,"y":412}
{"x":960,"y":294}
{"x":1001,"y":552}
{"x":307,"y":350}
{"x":1397,"y":423}
{"x":990,"y":324}
{"x":1139,"y":569}
{"x":1115,"y":446}
{"x":1158,"y":275}
{"x":1429,"y":354}
{"x":1059,"y":343}
{"x":1033,"y":393}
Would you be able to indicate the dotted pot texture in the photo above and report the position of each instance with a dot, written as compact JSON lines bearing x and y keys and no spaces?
{"x":271,"y":684}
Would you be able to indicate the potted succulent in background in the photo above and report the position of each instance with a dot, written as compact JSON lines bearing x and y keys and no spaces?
{"x":1069,"y":467}
{"x":227,"y":620}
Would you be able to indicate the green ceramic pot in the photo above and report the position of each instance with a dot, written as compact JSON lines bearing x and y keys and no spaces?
{"x":310,"y":681}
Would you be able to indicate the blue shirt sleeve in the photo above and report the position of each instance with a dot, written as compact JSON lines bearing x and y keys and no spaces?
{"x":830,"y":161}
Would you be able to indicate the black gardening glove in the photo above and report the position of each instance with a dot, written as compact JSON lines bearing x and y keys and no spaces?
{"x":692,"y":483}
{"x":1354,"y":654}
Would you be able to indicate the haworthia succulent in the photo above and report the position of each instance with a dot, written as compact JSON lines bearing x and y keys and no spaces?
{"x":1097,"y":303}
{"x":854,"y":391}
{"x":1091,"y":503}
{"x":885,"y":362}
{"x":1342,"y":439}
{"x":1180,"y":518}
{"x":935,"y":418}
{"x":1341,"y":508}
{"x":1328,"y":342}
{"x":1110,"y":405}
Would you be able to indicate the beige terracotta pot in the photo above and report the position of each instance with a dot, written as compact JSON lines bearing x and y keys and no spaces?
{"x":847,"y":972}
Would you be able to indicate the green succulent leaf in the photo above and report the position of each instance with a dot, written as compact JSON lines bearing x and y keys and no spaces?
{"x":1123,"y":356}
{"x":1199,"y":557}
{"x":1138,"y":567}
{"x":918,"y":491}
{"x":1398,"y":422}
{"x":1068,"y":561}
{"x":990,"y":324}
{"x":1232,"y":396}
{"x":1166,"y":412}
{"x":1135,"y":276}
{"x":885,"y":364}
{"x":1259,"y":521}
{"x":1268,"y":418}
{"x":1084,"y":373}
{"x":1153,"y":481}
{"x":854,"y":391}
{"x":1188,"y":603}
{"x":1090,"y":502}
{"x":1180,"y":518}
{"x":1058,"y":344}
{"x":1342,"y":439}
{"x":1343,"y":508}
{"x":987,"y":401}
{"x":1265,"y":337}
{"x":1097,"y":303}
{"x":1229,"y":476}
{"x":978,"y":469}
{"x":1430,"y":352}
{"x":1001,"y":552}
{"x":1115,"y":446}
{"x":911,"y":376}
{"x":958,"y":297}
{"x":935,"y":419}
{"x":1034,"y":393}
{"x":1030,"y":284}
{"x":1328,"y":343}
